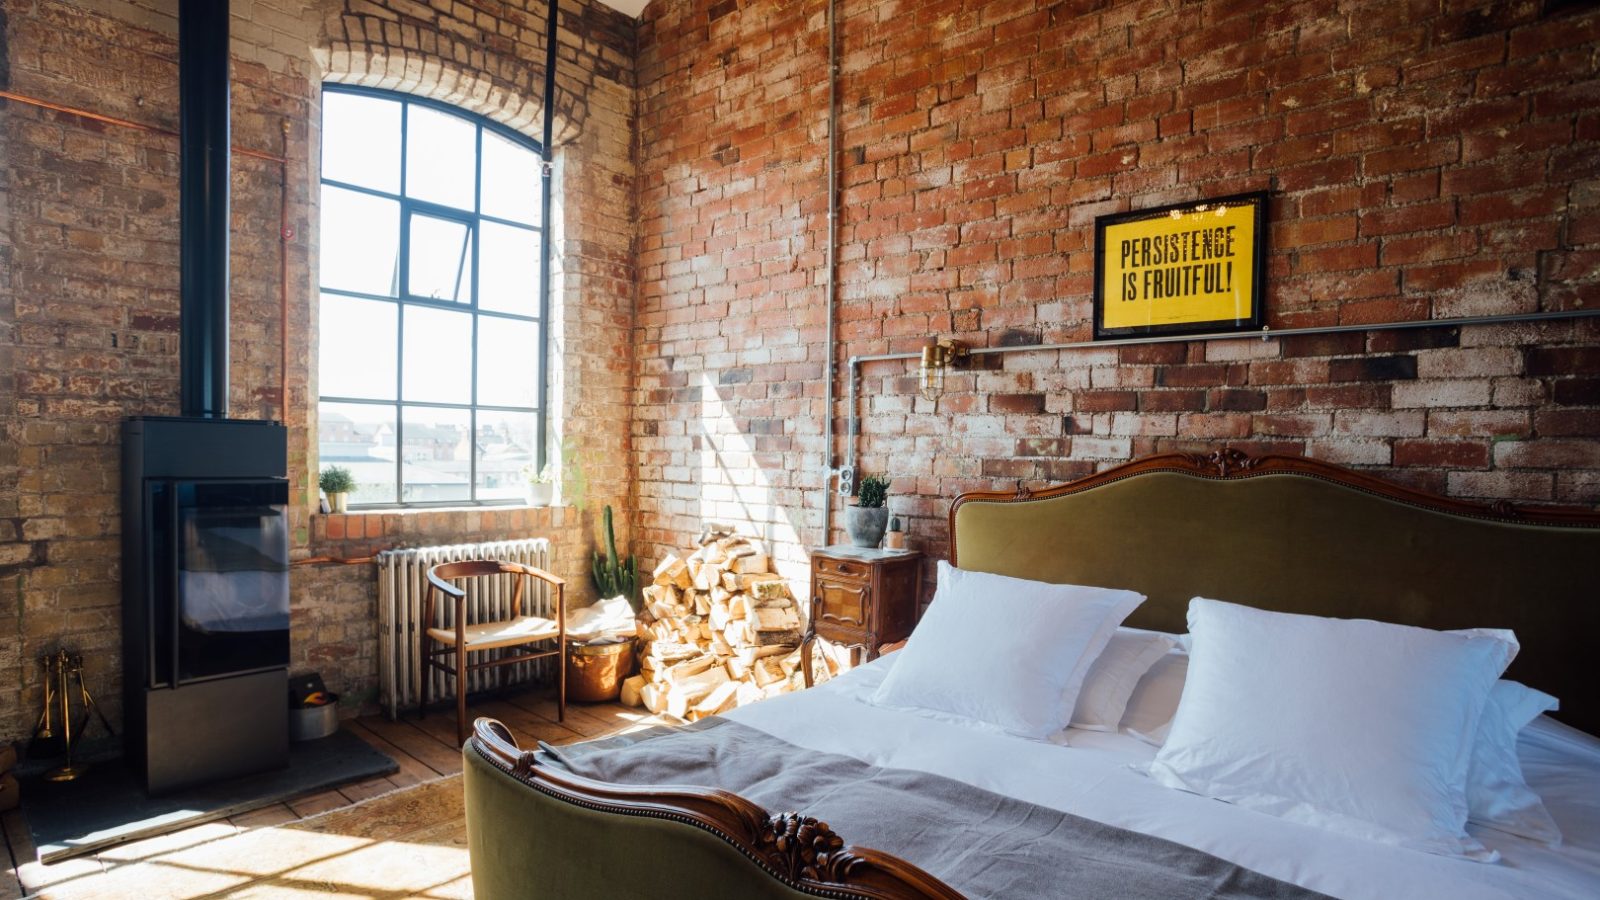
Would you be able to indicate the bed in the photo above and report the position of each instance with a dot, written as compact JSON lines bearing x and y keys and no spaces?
{"x":1275,"y":532}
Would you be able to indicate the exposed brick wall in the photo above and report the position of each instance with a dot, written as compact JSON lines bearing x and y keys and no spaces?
{"x":1425,"y":160}
{"x":89,"y":288}
{"x":730,"y":339}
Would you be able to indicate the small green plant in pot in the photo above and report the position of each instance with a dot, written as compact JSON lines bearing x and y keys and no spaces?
{"x":337,"y":483}
{"x":870,"y":516}
{"x":539,"y":485}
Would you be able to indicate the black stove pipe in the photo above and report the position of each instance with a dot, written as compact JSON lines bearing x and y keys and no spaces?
{"x":203,"y":148}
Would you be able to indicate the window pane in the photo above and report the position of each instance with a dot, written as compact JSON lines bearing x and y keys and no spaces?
{"x":437,"y":445}
{"x":361,"y":140}
{"x":438,"y":356}
{"x":360,"y":242}
{"x":508,"y":269}
{"x":505,"y":445}
{"x":508,"y":362}
{"x":441,"y":157}
{"x":441,"y":259}
{"x":357,"y":343}
{"x":510,"y":180}
{"x":359,"y":437}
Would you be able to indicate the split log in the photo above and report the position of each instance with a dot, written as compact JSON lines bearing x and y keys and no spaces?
{"x":748,"y":582}
{"x":687,"y":669}
{"x":683,"y":695}
{"x":784,"y":639}
{"x":776,"y":618}
{"x":667,"y":571}
{"x":654,"y":697}
{"x":749,"y":655}
{"x":719,"y":700}
{"x":631,"y":688}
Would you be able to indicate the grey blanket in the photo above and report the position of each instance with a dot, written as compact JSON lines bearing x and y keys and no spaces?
{"x":976,"y":841}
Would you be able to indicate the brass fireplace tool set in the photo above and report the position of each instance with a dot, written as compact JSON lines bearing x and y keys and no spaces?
{"x":60,"y":669}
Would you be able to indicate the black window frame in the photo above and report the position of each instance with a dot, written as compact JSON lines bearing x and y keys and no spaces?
{"x":474,"y":219}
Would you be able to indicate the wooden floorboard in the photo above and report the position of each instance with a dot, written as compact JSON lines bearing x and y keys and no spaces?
{"x":426,"y":749}
{"x":412,"y":771}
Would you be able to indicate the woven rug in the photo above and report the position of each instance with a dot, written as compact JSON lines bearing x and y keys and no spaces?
{"x":410,"y":842}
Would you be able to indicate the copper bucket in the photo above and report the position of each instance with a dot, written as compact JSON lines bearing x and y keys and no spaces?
{"x":595,"y":672}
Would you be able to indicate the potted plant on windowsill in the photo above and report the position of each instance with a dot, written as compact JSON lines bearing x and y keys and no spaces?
{"x":866,"y":520}
{"x":540,"y":486}
{"x":337,"y":483}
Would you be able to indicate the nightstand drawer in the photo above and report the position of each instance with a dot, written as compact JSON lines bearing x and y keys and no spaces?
{"x":843,"y":602}
{"x":840,"y":568}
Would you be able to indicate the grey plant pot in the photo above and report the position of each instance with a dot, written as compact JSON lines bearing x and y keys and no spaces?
{"x":866,"y":526}
{"x":540,"y":494}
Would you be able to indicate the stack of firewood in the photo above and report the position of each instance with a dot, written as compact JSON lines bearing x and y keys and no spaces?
{"x":719,"y":629}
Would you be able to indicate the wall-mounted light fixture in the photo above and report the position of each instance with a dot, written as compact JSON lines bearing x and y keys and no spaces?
{"x":938,"y":356}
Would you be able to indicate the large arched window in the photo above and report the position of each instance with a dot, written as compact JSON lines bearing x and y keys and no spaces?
{"x":431,"y":367}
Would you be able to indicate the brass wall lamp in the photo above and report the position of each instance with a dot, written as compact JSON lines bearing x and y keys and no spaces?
{"x":938,"y":355}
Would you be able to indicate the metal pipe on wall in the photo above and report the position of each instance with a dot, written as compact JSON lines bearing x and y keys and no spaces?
{"x":204,"y":168}
{"x":853,"y":434}
{"x":830,"y":371}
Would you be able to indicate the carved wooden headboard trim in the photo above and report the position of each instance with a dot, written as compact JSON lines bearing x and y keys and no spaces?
{"x":1229,"y":463}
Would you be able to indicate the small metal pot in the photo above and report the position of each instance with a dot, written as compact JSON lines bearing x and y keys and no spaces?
{"x":311,"y":722}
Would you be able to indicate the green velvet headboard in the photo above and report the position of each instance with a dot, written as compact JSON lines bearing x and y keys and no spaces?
{"x":1297,"y":535}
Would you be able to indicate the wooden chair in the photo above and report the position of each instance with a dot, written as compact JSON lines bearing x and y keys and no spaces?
{"x":465,"y":638}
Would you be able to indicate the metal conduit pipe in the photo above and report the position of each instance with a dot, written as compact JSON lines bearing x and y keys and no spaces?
{"x":853,"y":434}
{"x":830,"y":370}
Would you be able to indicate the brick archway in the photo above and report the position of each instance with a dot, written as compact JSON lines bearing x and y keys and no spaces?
{"x":433,"y":65}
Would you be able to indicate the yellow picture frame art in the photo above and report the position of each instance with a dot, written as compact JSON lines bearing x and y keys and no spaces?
{"x":1188,"y":268}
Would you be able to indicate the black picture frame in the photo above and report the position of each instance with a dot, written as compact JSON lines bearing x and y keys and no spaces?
{"x":1256,"y":319}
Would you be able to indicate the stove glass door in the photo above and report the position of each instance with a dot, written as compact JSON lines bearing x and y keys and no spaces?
{"x":233,"y":577}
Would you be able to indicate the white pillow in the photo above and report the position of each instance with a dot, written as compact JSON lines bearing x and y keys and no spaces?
{"x":1114,"y":675}
{"x":1004,"y":651}
{"x":1155,"y":699}
{"x":1497,"y":794}
{"x":1351,"y":725}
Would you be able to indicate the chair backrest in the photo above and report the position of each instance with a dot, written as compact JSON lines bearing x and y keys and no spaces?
{"x":473,"y":568}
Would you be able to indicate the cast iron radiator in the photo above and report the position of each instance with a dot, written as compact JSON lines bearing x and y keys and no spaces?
{"x":402,"y":592}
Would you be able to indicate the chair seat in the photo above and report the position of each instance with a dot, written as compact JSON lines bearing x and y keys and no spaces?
{"x":508,"y":633}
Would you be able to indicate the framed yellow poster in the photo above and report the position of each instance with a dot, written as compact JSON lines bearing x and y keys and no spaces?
{"x":1189,"y":268}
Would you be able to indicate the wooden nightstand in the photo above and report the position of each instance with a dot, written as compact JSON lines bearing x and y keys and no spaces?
{"x":862,"y":598}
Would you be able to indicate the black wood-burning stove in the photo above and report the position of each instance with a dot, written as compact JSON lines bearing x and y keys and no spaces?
{"x":206,"y":598}
{"x":205,"y":498}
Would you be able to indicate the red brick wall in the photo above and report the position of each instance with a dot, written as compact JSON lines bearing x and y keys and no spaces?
{"x":89,"y":292}
{"x":1425,"y":160}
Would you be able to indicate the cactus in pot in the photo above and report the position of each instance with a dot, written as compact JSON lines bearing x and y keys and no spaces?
{"x":613,"y":577}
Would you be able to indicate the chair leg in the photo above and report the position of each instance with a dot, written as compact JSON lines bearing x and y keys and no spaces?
{"x":561,"y":682}
{"x":461,"y":695}
{"x":425,"y":672}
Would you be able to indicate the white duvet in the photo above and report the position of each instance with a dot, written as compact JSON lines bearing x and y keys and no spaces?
{"x":1092,"y":774}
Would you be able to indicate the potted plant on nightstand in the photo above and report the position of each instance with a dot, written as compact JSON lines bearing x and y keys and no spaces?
{"x":866,"y":520}
{"x":539,"y":486}
{"x":337,"y":483}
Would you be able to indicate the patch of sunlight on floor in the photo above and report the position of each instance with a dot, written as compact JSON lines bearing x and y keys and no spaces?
{"x":422,"y":861}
